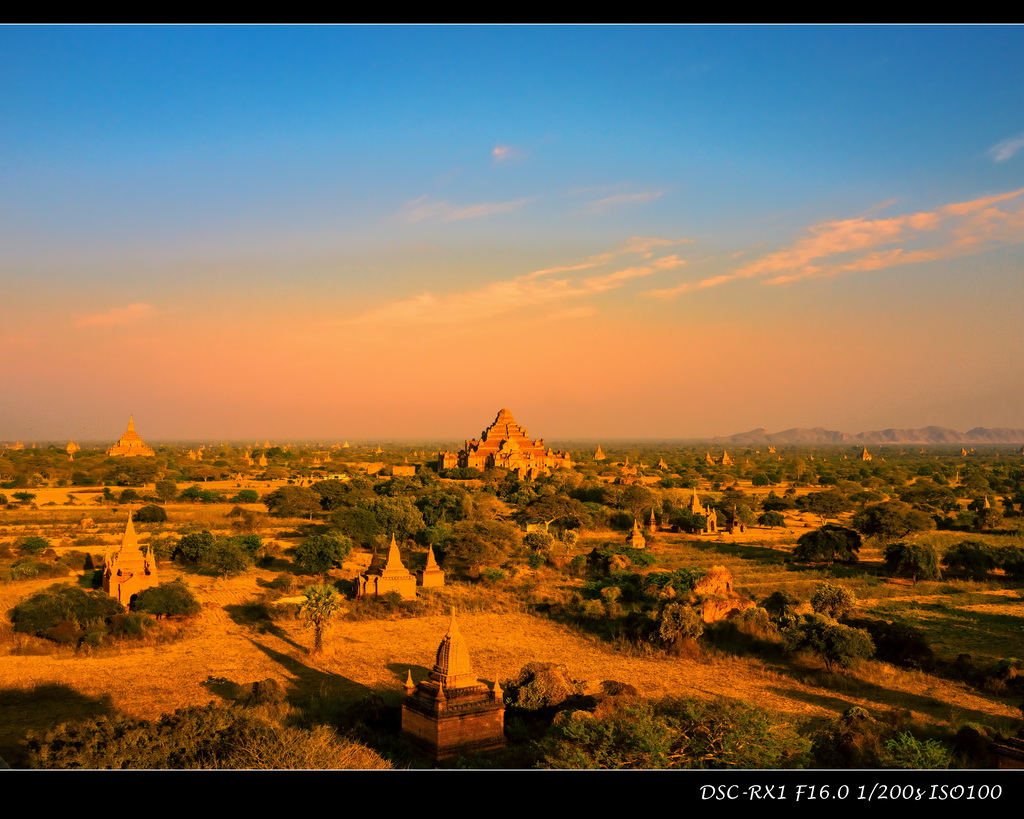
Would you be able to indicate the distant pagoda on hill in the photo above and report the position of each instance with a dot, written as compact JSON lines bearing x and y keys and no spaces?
{"x":131,"y":443}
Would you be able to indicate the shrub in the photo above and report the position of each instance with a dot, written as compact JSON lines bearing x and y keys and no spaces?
{"x":835,"y":644}
{"x":973,"y":558}
{"x":214,"y":736}
{"x":829,"y":544}
{"x":832,"y":600}
{"x":62,"y":612}
{"x":906,"y":751}
{"x":151,"y":514}
{"x":674,"y":733}
{"x":33,"y":545}
{"x":320,"y":553}
{"x":168,"y":599}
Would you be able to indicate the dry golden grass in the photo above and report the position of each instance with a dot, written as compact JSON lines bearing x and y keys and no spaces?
{"x":148,"y":679}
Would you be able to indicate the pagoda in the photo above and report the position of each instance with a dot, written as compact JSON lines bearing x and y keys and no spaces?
{"x":131,"y":443}
{"x":391,"y":577}
{"x":507,"y":445}
{"x":129,"y":571}
{"x":432,"y":575}
{"x":451,"y":712}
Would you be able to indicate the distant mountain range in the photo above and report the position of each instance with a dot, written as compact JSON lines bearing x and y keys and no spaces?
{"x":924,"y":435}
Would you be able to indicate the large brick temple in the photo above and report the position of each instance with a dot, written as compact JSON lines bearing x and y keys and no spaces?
{"x":507,"y":445}
{"x":131,"y":443}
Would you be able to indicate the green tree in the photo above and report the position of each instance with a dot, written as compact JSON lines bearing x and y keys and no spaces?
{"x":293,"y":502}
{"x":674,"y":733}
{"x":829,"y":544}
{"x":915,"y":560}
{"x":891,"y":520}
{"x":24,"y":497}
{"x":835,"y":644}
{"x":166,"y":490}
{"x":150,"y":514}
{"x":972,"y":558}
{"x":826,"y":504}
{"x":318,"y":554}
{"x":481,"y":543}
{"x":32,"y":545}
{"x":832,"y":600}
{"x":174,"y":599}
{"x":772,"y":519}
{"x":321,"y":605}
{"x":227,"y":557}
{"x":194,"y":547}
{"x":678,"y":624}
{"x":62,"y":612}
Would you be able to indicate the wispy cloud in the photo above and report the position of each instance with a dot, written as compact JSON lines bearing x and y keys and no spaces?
{"x":507,"y":154}
{"x":530,"y":290}
{"x":862,"y":244}
{"x":421,"y":209}
{"x":129,"y":314}
{"x":644,"y":245}
{"x":607,"y":203}
{"x":1007,"y":148}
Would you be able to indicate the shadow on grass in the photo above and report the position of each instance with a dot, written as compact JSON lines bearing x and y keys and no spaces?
{"x":840,"y":691}
{"x":254,"y":615}
{"x":743,"y":551}
{"x":42,"y":708}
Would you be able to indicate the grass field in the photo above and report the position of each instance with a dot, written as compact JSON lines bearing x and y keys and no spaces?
{"x":42,"y":685}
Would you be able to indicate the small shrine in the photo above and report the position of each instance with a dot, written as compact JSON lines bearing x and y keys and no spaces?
{"x":129,"y":571}
{"x":451,"y":712}
{"x":432,"y":575}
{"x":392,"y":576}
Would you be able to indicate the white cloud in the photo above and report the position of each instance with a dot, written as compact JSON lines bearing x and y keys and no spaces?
{"x":607,"y":203}
{"x":1007,"y":148}
{"x":129,"y":314}
{"x":421,"y":209}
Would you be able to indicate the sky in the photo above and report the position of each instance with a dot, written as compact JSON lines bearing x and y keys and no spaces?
{"x":357,"y":232}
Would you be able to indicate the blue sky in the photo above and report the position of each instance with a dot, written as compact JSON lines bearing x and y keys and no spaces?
{"x":381,"y":205}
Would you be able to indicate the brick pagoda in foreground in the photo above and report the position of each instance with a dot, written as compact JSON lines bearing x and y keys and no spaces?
{"x":451,"y":712}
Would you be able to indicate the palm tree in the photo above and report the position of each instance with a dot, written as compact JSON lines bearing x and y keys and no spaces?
{"x":322,"y":603}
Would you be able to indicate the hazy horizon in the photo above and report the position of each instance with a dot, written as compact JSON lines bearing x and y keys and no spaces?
{"x":660,"y":232}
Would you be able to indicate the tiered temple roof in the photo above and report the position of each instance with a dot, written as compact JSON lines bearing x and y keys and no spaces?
{"x":507,"y":445}
{"x":131,"y":443}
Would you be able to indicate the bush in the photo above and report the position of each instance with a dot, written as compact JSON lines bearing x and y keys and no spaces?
{"x":906,"y":751}
{"x":214,"y":736}
{"x":835,"y":644}
{"x":151,"y":514}
{"x":832,"y":600}
{"x":321,"y":553}
{"x":972,"y":558}
{"x":173,"y":599}
{"x":32,"y":545}
{"x":62,"y":612}
{"x":674,"y":733}
{"x":829,"y":544}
